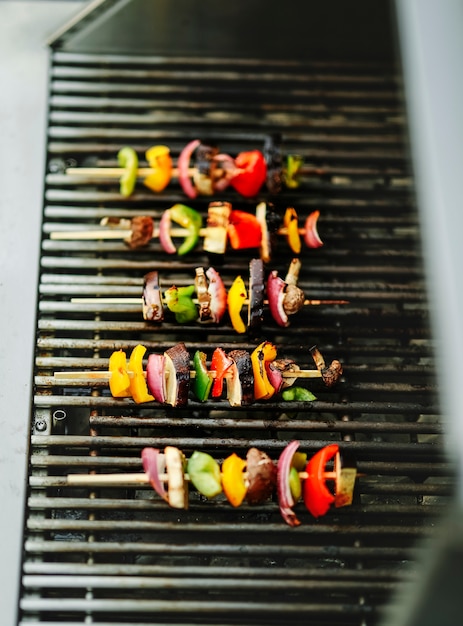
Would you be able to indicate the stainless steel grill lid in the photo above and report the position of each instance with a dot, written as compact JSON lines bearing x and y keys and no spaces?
{"x":120,"y":555}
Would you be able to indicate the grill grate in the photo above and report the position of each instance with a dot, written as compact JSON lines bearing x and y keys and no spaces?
{"x":111,"y":555}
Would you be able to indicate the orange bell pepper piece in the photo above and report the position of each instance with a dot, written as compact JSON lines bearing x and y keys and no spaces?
{"x":119,"y":382}
{"x":138,"y":386}
{"x":235,"y":300}
{"x":290,"y":222}
{"x":264,"y":353}
{"x":160,"y":161}
{"x":233,"y":483}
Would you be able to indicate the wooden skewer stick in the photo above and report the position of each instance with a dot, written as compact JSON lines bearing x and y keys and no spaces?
{"x":106,"y":374}
{"x":138,"y":479}
{"x":120,"y":300}
{"x":116,"y":172}
{"x":125,"y":233}
{"x":142,"y":478}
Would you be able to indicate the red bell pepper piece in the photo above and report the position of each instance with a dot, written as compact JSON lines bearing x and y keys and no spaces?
{"x":220,"y":364}
{"x":252,"y":173}
{"x":244,"y":230}
{"x":317,"y":497}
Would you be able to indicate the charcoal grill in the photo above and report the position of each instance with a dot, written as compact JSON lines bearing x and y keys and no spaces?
{"x":118,"y":555}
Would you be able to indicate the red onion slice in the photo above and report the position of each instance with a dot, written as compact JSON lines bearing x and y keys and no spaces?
{"x":164,"y":233}
{"x":311,"y":236}
{"x":183,"y":165}
{"x":156,"y":376}
{"x":226,"y":163}
{"x":275,"y":293}
{"x":153,"y":309}
{"x":218,"y":294}
{"x":285,"y":498}
{"x":275,"y":376}
{"x":154,"y":465}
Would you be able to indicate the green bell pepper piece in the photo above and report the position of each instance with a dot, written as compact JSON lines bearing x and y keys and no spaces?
{"x":203,"y":380}
{"x":299,"y":394}
{"x":128,"y":159}
{"x":295,"y":484}
{"x":179,"y":301}
{"x":291,"y":173}
{"x":204,"y":474}
{"x":191,"y":221}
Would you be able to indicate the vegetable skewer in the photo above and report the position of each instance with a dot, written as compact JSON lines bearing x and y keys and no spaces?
{"x":254,"y":479}
{"x":202,"y":170}
{"x":225,"y":226}
{"x":285,"y":298}
{"x":168,"y":378}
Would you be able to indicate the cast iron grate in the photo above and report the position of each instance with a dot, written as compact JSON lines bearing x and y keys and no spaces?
{"x":120,"y":556}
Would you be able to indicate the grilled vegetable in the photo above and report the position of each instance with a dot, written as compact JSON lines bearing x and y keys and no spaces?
{"x":256,"y":294}
{"x":203,"y":295}
{"x":235,"y":300}
{"x":177,"y":485}
{"x":141,"y":231}
{"x":244,"y":230}
{"x":263,"y":354}
{"x":290,"y":222}
{"x":286,"y":499}
{"x":311,"y":236}
{"x":179,"y":301}
{"x":138,"y":386}
{"x":187,"y":218}
{"x":274,"y":161}
{"x":284,"y":296}
{"x":119,"y":382}
{"x":156,"y":376}
{"x":261,"y":476}
{"x":204,"y":473}
{"x":275,"y":291}
{"x":294,"y":298}
{"x":177,"y":368}
{"x":218,"y":294}
{"x":240,"y":386}
{"x":317,"y":497}
{"x":128,"y":159}
{"x":233,"y":482}
{"x":154,"y":464}
{"x":203,"y":379}
{"x":215,"y":240}
{"x":220,"y":365}
{"x":160,"y":162}
{"x":298,"y":394}
{"x":183,"y":164}
{"x":330,"y":374}
{"x":153,"y":309}
{"x":204,"y":170}
{"x":292,"y":170}
{"x":252,"y":173}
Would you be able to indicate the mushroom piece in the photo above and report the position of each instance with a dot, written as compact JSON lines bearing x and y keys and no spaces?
{"x":261,"y":476}
{"x":330,"y":374}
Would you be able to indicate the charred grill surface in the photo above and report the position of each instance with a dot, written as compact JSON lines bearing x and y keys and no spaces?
{"x":120,"y":555}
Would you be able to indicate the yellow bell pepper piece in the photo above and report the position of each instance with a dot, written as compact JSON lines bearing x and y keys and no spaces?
{"x":290,"y":222}
{"x":236,"y":296}
{"x":233,"y":484}
{"x":119,"y":382}
{"x":264,"y":353}
{"x":160,"y":161}
{"x":138,"y":386}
